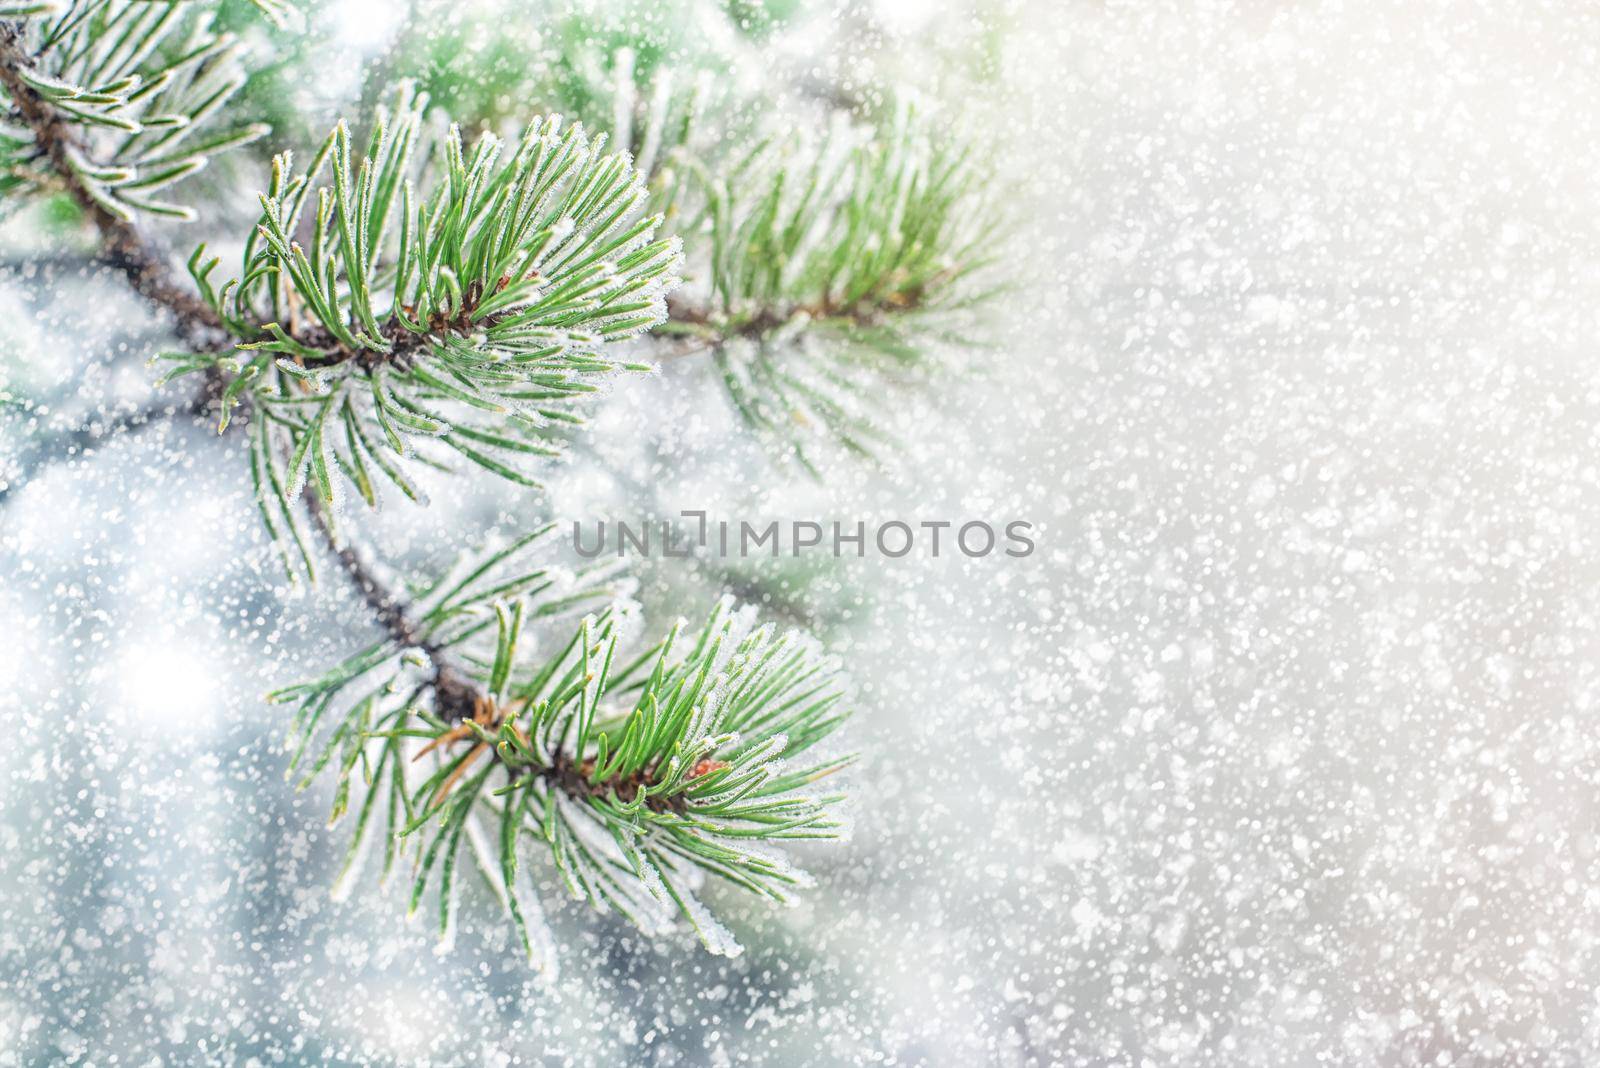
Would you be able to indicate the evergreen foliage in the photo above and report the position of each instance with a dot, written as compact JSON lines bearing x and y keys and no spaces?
{"x":419,"y":296}
{"x":639,"y":771}
{"x":464,"y":315}
{"x":829,"y":266}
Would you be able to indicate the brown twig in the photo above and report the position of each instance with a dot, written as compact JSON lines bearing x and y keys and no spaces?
{"x":702,"y":330}
{"x":455,"y":697}
{"x":403,"y":342}
{"x":571,"y":775}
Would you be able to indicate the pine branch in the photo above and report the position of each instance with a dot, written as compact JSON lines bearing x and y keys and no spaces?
{"x":122,"y":246}
{"x":140,"y":81}
{"x":640,"y":776}
{"x":641,"y":779}
{"x":457,"y":309}
{"x":825,"y":269}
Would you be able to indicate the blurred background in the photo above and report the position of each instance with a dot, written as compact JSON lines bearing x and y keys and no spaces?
{"x":1280,"y":750}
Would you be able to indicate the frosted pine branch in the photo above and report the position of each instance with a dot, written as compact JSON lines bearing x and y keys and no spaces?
{"x":414,"y":298}
{"x":458,"y":308}
{"x":640,"y":775}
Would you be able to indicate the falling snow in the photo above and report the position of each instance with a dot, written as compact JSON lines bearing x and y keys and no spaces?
{"x":1276,"y":751}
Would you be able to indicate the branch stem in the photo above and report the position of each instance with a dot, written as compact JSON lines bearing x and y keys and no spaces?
{"x":454,"y":695}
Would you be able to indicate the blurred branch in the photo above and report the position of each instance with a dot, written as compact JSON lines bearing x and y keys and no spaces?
{"x":54,"y":261}
{"x":700,"y":329}
{"x":81,"y":440}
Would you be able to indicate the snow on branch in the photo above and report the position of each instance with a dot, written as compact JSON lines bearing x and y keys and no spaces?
{"x":428,"y":300}
{"x":640,"y":775}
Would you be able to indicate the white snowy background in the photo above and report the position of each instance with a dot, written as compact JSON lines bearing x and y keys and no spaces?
{"x":1281,"y":750}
